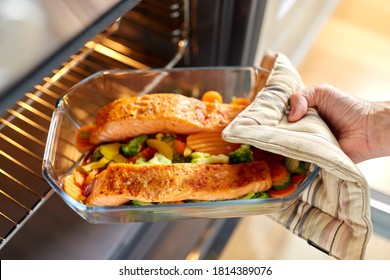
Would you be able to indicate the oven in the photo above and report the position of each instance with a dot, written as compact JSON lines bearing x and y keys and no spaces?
{"x":130,"y":34}
{"x":127,"y":34}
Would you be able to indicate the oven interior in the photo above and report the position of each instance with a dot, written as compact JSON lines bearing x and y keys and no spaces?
{"x":132,"y":34}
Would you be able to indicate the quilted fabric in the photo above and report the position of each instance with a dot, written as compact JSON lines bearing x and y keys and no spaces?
{"x":333,"y":213}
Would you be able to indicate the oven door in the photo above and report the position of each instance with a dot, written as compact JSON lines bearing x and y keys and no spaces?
{"x":131,"y":34}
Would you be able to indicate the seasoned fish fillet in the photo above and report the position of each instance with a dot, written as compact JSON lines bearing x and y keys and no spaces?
{"x":165,"y":113}
{"x":120,"y":183}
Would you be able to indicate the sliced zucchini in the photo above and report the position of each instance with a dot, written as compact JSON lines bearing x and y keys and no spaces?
{"x":261,"y":195}
{"x":280,"y":176}
{"x":295,"y":166}
{"x":248,"y":196}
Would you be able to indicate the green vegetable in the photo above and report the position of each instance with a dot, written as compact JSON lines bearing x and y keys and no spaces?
{"x":242,"y":154}
{"x":140,"y":203}
{"x":261,"y":195}
{"x":159,"y":159}
{"x":181,"y":159}
{"x":282,"y":182}
{"x":280,"y":176}
{"x":96,"y":155}
{"x":295,"y":166}
{"x":198,"y":157}
{"x":168,"y":138}
{"x":253,"y":195}
{"x":134,"y":146}
{"x":140,"y":160}
{"x":248,"y":196}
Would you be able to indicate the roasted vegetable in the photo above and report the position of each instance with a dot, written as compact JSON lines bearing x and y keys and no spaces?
{"x":211,"y":143}
{"x":159,"y":159}
{"x":96,"y":155}
{"x":134,"y":146}
{"x":290,"y":189}
{"x":212,"y":96}
{"x":281,"y":178}
{"x":162,"y":147}
{"x":295,"y":166}
{"x":253,"y":195}
{"x":198,"y":157}
{"x":101,"y":163}
{"x":242,"y":154}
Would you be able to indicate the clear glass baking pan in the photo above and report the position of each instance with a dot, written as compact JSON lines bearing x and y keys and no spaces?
{"x":81,"y":103}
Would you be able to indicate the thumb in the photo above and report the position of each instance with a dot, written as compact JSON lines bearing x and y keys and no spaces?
{"x":298,"y":107}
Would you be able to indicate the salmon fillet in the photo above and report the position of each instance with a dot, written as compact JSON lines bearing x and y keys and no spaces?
{"x":163,"y":112}
{"x":120,"y":183}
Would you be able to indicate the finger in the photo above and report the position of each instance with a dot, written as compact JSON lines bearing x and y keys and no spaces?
{"x":298,"y":107}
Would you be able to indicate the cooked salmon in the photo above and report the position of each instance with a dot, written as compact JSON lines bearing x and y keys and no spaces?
{"x":163,"y":112}
{"x":120,"y":183}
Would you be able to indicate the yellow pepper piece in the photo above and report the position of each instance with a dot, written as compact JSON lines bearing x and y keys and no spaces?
{"x":109,"y":151}
{"x":118,"y":158}
{"x":96,"y":164}
{"x":162,"y":147}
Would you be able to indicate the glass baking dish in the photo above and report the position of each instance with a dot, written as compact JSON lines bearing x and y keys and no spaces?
{"x":81,"y":103}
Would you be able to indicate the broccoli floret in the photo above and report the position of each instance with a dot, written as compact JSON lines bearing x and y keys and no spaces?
{"x":181,"y":159}
{"x":96,"y":155}
{"x":159,"y":159}
{"x":198,"y":157}
{"x":242,"y":154}
{"x":134,"y":146}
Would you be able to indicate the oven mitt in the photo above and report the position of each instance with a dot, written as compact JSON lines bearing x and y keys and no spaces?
{"x":333,"y":213}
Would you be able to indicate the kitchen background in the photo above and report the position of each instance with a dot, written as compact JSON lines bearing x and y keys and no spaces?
{"x":351,"y":51}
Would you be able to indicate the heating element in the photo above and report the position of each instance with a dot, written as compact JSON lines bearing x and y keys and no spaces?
{"x":152,"y":35}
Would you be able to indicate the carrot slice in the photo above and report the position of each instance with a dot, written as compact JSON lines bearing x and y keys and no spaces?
{"x":283,"y":192}
{"x":281,"y":178}
{"x":286,"y":191}
{"x":212,"y":96}
{"x":210,"y":142}
{"x":240,"y":101}
{"x":179,"y":146}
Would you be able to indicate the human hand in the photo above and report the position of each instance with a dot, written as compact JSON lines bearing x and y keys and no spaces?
{"x":352,"y":120}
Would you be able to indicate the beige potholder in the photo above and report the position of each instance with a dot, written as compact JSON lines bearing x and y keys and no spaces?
{"x":333,"y":213}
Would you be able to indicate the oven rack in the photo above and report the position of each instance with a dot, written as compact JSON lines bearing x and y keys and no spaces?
{"x":24,"y":127}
